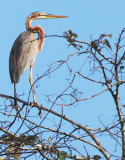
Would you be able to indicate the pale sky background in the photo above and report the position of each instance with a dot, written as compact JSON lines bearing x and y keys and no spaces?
{"x":86,"y":17}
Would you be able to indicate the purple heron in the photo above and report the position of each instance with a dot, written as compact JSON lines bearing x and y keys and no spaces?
{"x":25,"y":49}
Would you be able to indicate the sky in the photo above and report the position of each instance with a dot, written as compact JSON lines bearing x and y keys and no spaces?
{"x":87,"y":18}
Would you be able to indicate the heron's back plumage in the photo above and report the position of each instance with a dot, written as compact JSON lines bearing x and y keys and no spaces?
{"x":22,"y":55}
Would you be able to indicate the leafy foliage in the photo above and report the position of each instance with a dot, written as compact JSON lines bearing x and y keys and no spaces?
{"x":71,"y":38}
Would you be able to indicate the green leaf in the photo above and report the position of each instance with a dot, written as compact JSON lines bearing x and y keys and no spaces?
{"x":74,"y":35}
{"x":104,"y":35}
{"x":106,"y":42}
{"x":109,"y":35}
{"x":62,"y":155}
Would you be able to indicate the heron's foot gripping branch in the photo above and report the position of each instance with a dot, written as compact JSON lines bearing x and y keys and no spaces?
{"x":33,"y":104}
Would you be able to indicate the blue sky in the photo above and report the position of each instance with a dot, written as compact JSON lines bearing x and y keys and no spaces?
{"x":86,"y":18}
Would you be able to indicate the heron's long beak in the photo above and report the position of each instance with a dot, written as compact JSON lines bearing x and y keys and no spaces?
{"x":48,"y":16}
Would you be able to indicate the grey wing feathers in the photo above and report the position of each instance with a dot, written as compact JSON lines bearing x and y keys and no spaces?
{"x":22,"y":55}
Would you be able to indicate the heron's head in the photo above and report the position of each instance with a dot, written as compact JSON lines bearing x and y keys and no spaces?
{"x":39,"y":15}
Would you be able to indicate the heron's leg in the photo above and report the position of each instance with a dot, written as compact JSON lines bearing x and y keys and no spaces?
{"x":31,"y":83}
{"x":15,"y":102}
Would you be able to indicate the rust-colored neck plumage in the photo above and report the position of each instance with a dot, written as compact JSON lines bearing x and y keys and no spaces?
{"x":37,"y":29}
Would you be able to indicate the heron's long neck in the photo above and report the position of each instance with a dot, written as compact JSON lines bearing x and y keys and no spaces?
{"x":37,"y":29}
